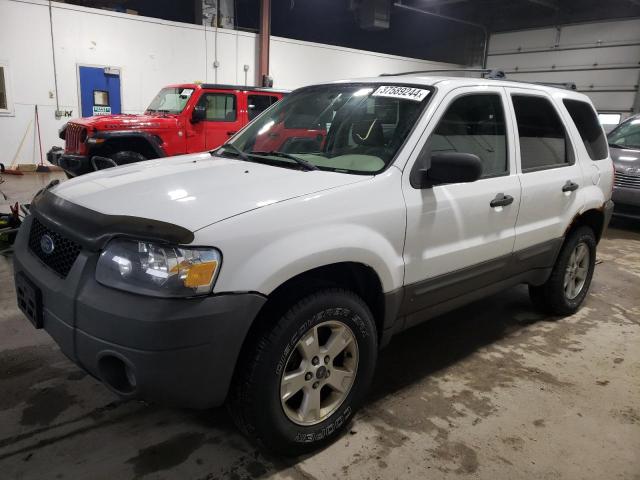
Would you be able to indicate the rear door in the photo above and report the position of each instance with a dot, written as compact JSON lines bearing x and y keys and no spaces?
{"x":223,"y":119}
{"x":551,"y":176}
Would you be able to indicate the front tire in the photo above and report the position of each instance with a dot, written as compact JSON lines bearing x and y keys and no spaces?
{"x":125,"y":157}
{"x":568,"y":284}
{"x":301,"y":379}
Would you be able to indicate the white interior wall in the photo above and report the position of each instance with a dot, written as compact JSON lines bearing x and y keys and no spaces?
{"x":151,"y":53}
{"x":294,"y":63}
{"x":603,"y":59}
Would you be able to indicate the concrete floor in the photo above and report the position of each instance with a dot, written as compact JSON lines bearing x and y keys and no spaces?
{"x":492,"y":391}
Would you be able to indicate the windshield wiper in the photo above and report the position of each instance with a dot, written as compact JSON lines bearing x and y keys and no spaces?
{"x":624,"y":147}
{"x":236,"y":150}
{"x":300,"y":161}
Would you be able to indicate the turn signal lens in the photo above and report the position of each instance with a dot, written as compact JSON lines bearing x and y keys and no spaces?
{"x":200,"y":274}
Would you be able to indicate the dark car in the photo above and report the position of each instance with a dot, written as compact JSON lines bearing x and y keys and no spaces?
{"x":624,"y":144}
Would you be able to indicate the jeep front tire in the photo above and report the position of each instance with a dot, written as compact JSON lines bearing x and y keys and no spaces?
{"x":302,"y":378}
{"x":125,"y":157}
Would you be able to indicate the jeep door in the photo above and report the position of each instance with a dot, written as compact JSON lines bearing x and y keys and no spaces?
{"x":549,"y":172}
{"x":457,"y":240}
{"x":225,"y":110}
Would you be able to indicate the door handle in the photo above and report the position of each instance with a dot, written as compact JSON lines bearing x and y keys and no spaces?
{"x":501,"y":200}
{"x":231,"y":132}
{"x":570,"y":186}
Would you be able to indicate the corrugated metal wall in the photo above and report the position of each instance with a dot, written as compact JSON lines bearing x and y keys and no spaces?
{"x":603,"y":59}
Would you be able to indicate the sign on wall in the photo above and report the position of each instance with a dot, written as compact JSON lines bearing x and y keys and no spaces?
{"x":101,"y":110}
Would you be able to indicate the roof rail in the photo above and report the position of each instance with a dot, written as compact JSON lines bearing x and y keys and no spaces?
{"x":486,"y":72}
{"x":489,"y":73}
{"x":565,"y":85}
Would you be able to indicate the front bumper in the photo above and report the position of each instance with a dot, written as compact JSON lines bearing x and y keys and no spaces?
{"x":179,"y":352}
{"x":75,"y":165}
{"x":627,"y":202}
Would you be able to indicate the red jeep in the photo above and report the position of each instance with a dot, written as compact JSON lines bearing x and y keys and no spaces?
{"x":181,"y":119}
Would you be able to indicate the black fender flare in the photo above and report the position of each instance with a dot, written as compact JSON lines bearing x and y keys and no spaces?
{"x":153,"y":140}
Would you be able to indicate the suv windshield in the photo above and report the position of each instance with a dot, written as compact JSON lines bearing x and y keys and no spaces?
{"x":352,"y":128}
{"x":626,"y":135}
{"x":170,"y":100}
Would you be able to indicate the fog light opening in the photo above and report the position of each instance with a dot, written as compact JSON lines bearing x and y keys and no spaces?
{"x":117,"y":374}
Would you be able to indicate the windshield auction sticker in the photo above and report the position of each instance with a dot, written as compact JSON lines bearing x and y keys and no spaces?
{"x":405,"y":93}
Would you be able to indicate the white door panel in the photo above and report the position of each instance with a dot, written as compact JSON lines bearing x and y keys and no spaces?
{"x":545,"y":210}
{"x":450,"y":227}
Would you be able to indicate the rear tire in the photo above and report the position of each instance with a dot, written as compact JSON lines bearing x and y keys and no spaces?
{"x":568,"y":284}
{"x":282,"y":396}
{"x":125,"y":157}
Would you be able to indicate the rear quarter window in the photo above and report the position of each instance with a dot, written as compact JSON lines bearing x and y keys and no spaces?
{"x":586,"y":121}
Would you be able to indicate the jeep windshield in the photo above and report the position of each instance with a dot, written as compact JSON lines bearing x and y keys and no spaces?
{"x":626,"y":135}
{"x":345,"y":127}
{"x":170,"y":100}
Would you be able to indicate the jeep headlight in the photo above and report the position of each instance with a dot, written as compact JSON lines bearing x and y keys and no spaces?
{"x":158,"y":270}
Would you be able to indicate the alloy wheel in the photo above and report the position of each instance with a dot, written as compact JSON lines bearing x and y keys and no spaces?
{"x":577,"y":271}
{"x":319,"y":373}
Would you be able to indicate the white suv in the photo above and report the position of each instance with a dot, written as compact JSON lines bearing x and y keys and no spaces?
{"x":271,"y":279}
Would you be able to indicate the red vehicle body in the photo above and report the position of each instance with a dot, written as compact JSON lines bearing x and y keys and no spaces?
{"x":185,"y":118}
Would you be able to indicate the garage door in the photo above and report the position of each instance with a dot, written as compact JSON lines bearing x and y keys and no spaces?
{"x":603,"y":59}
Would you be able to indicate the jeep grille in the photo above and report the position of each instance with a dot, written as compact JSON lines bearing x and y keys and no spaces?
{"x":74,"y":138}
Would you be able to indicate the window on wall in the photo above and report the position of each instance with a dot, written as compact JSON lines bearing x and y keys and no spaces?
{"x":221,"y":107}
{"x":5,"y":101}
{"x":586,"y":121}
{"x":475,"y":124}
{"x":543,"y":140}
{"x":259,"y":103}
{"x":101,"y":98}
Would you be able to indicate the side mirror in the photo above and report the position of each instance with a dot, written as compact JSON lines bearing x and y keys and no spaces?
{"x":199,"y":114}
{"x":452,"y":167}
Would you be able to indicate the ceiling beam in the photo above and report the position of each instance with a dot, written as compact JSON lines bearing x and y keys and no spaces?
{"x":553,"y":4}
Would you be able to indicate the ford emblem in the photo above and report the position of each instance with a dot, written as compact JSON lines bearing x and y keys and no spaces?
{"x":46,"y":244}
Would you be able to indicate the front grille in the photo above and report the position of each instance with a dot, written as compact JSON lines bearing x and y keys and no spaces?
{"x":74,"y":136}
{"x":627,"y":181}
{"x":65,"y":251}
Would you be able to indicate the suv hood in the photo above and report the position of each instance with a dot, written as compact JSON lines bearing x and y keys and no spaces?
{"x":194,"y":191}
{"x":127,"y":122}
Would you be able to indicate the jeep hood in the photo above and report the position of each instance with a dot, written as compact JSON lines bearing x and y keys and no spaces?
{"x":194,"y":191}
{"x":128,"y":122}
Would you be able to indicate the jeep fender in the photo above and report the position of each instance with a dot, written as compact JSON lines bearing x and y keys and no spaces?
{"x":152,"y":141}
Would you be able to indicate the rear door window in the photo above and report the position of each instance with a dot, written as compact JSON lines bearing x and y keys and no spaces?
{"x":543,"y":139}
{"x":221,"y":107}
{"x":586,"y":121}
{"x":259,"y":103}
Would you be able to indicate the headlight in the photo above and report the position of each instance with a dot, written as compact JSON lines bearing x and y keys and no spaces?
{"x":158,"y":270}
